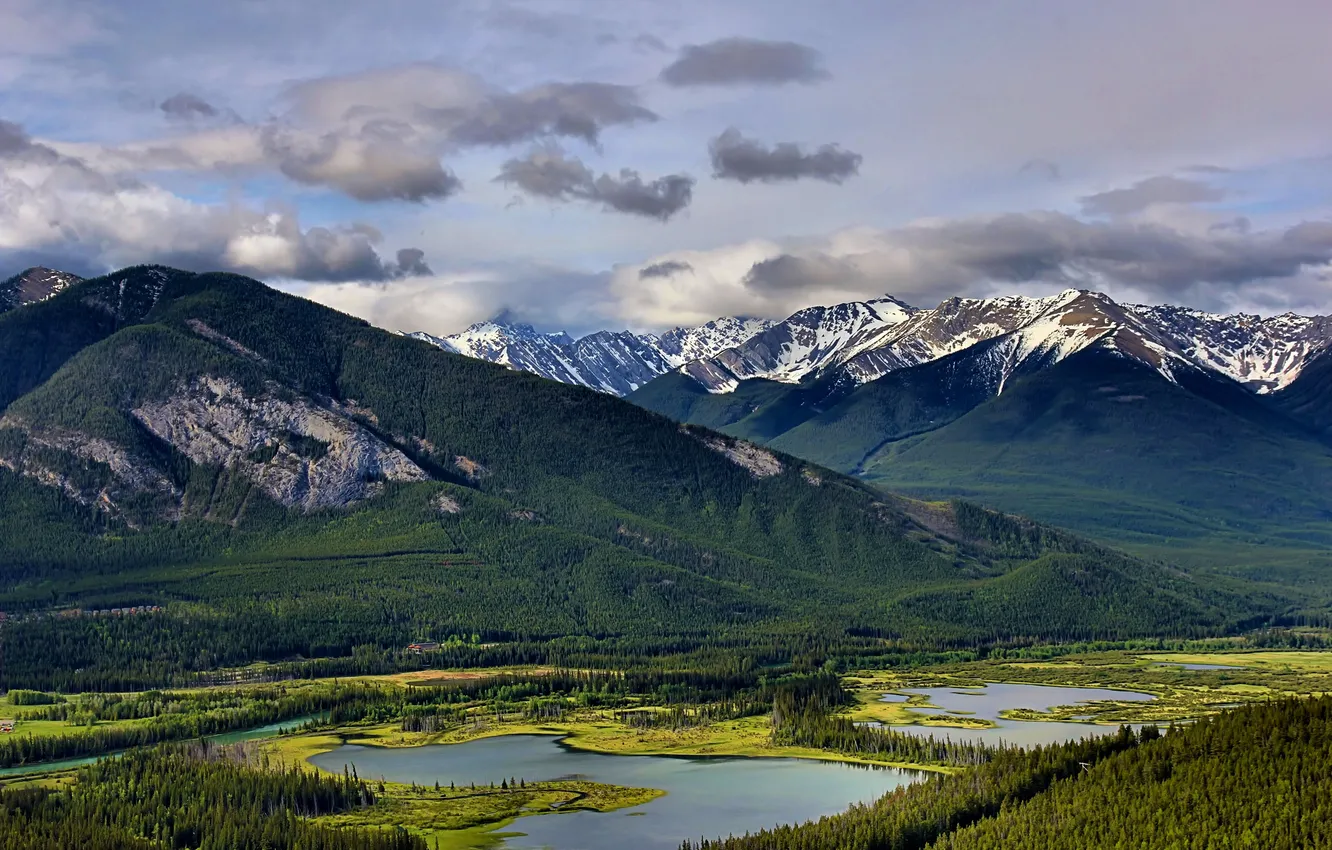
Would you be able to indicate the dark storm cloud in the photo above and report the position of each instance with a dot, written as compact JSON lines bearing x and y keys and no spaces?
{"x":665,"y":268}
{"x":744,"y":60}
{"x":574,"y":110}
{"x":550,"y":173}
{"x":1145,"y":193}
{"x":186,"y":106}
{"x":736,"y":158}
{"x":1053,"y":248}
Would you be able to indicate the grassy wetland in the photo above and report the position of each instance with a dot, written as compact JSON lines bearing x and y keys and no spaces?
{"x":815,"y":714}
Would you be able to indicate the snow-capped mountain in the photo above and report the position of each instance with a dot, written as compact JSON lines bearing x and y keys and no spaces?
{"x":33,"y":285}
{"x":611,"y":362}
{"x":1267,"y":354}
{"x":807,"y":342}
{"x":1072,"y":321}
{"x":864,"y":340}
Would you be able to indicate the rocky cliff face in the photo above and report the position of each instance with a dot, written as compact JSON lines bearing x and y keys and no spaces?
{"x":89,"y":470}
{"x":301,"y":455}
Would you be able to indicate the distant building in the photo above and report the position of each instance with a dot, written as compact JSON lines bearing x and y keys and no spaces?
{"x":6,"y":726}
{"x":423,"y":646}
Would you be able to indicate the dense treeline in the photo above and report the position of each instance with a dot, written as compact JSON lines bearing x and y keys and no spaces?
{"x":1257,"y":776}
{"x":168,"y":717}
{"x":102,"y":723}
{"x":803,"y":715}
{"x":192,"y":796}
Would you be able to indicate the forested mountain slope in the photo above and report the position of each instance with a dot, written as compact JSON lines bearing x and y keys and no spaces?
{"x":169,"y":436}
{"x":1309,"y":398}
{"x":1122,"y":439}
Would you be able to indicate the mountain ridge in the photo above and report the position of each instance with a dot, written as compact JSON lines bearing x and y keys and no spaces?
{"x":864,"y":340}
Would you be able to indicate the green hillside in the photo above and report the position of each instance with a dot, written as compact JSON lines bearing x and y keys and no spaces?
{"x":1104,"y":445}
{"x":898,"y":405}
{"x":1199,"y":471}
{"x":552,"y":511}
{"x":1309,"y":397}
{"x":678,"y":396}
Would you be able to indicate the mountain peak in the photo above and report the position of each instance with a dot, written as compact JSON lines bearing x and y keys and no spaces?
{"x":32,"y":285}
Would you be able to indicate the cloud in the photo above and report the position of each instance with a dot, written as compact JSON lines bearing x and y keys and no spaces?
{"x":575,"y":110}
{"x":731,"y":61}
{"x":56,"y":206}
{"x":52,"y":170}
{"x":451,"y":108}
{"x":549,"y":296}
{"x":1215,"y":268}
{"x":648,"y":41}
{"x":368,"y":167}
{"x":15,"y":143}
{"x":552,"y":174}
{"x":276,"y":246}
{"x":186,"y":106}
{"x":665,"y":268}
{"x":380,"y":135}
{"x":1145,"y":193}
{"x":736,"y":158}
{"x":411,"y":262}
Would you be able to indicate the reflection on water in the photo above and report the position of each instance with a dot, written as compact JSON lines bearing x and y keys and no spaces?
{"x":987,"y":701}
{"x":705,"y":797}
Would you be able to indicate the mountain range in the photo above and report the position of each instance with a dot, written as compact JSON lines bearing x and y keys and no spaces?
{"x":611,"y":362}
{"x":862,"y":341}
{"x":1176,"y":433}
{"x":288,"y":480}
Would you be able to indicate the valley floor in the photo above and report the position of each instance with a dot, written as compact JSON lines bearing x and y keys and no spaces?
{"x":1182,"y":687}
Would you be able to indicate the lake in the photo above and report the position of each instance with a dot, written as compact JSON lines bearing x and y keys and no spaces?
{"x":705,"y":797}
{"x":987,"y":701}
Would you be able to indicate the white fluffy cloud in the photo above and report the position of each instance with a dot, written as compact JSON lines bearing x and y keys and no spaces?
{"x":55,"y":206}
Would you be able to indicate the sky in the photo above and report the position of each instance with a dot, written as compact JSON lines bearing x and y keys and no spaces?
{"x":642,"y":164}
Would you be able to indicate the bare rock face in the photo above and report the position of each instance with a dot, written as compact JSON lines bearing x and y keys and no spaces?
{"x":446,"y":504}
{"x":103,"y":474}
{"x":761,"y":463}
{"x":299,"y":454}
